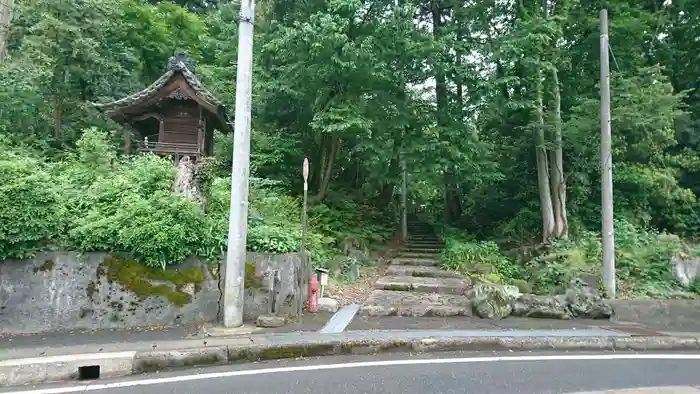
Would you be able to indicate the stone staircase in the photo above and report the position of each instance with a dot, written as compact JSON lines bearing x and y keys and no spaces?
{"x":415,"y":285}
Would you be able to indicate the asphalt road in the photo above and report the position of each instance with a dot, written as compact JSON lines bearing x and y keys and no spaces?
{"x":486,"y":373}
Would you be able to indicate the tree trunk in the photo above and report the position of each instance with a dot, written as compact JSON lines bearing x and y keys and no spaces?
{"x":542,"y":166}
{"x":453,"y":199}
{"x":441,"y":103}
{"x":458,"y":76}
{"x":58,"y":111}
{"x":386,"y":195}
{"x":5,"y":22}
{"x":330,"y":149}
{"x":556,"y":161}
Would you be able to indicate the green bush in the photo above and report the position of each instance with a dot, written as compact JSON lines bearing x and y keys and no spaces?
{"x":482,"y":260}
{"x":559,"y":263}
{"x":274,"y":219}
{"x":127,"y":205}
{"x":93,"y":200}
{"x":642,"y":262}
{"x":157,"y":230}
{"x":348,"y":222}
{"x":31,"y":215}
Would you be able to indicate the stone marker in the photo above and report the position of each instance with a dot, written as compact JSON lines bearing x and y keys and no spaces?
{"x":270,"y":321}
{"x":327,"y":304}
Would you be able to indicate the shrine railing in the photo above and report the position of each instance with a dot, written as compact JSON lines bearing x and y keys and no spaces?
{"x":169,"y":147}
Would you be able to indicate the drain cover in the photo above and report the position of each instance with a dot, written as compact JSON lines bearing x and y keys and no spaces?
{"x":636,"y":331}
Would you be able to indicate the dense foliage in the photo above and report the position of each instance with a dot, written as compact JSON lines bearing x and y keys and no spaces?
{"x":92,"y":200}
{"x":491,"y":107}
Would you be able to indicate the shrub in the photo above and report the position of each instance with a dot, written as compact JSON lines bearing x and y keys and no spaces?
{"x":642,"y":262}
{"x":93,"y":200}
{"x":642,"y":259}
{"x":348,"y":222}
{"x":479,"y":259}
{"x":30,"y":213}
{"x":274,"y":220}
{"x":157,"y":230}
{"x":128,"y":206}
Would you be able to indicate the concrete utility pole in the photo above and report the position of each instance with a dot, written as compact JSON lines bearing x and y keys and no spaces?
{"x":608,"y":233}
{"x":238,"y":216}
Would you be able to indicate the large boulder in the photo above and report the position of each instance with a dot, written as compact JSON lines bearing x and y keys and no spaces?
{"x":547,"y":307}
{"x":584,"y":301}
{"x":579,"y":300}
{"x":493,"y":301}
{"x":685,"y":269}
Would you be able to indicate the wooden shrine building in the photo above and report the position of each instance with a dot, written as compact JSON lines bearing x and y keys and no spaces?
{"x":175,"y":116}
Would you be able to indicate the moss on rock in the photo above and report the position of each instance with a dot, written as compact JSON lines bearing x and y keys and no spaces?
{"x":46,"y":266}
{"x":138,"y":279}
{"x":522,"y":285}
{"x":251,"y":279}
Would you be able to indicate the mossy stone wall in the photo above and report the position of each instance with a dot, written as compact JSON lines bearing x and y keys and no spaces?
{"x":67,"y":290}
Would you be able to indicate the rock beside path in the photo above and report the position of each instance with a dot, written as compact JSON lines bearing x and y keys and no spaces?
{"x":579,"y":301}
{"x":327,"y":304}
{"x":493,"y":301}
{"x":545,"y":307}
{"x":270,"y":321}
{"x":497,"y":301}
{"x":584,"y":301}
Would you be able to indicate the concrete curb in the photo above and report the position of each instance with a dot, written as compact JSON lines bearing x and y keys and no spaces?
{"x":65,"y":368}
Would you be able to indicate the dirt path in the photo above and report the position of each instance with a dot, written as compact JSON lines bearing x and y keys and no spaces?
{"x":358,"y":291}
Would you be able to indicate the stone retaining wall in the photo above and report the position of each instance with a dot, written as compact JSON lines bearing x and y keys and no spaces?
{"x":658,"y":314}
{"x":65,"y":290}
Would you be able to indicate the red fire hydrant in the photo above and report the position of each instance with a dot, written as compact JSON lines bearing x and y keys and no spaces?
{"x":313,"y":294}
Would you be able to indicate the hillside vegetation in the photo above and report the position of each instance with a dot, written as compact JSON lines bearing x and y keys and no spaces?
{"x":491,"y":107}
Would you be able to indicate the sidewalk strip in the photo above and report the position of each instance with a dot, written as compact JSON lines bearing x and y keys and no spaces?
{"x":74,"y":358}
{"x":340,"y":320}
{"x":565,"y":333}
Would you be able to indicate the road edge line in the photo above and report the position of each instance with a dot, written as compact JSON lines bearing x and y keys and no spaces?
{"x":40,"y":372}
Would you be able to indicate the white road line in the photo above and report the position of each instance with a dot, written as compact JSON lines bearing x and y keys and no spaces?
{"x":340,"y":320}
{"x":365,"y":364}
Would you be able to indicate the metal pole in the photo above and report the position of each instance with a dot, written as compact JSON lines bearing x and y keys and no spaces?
{"x":305,"y":176}
{"x":238,"y":216}
{"x":303,"y":217}
{"x":404,"y":213}
{"x":304,"y":261}
{"x":608,"y":233}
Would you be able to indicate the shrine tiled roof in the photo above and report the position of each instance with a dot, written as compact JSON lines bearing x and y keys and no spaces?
{"x":179,"y":64}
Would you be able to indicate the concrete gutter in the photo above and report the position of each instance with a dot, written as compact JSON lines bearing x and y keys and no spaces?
{"x":649,"y":390}
{"x":220,"y":351}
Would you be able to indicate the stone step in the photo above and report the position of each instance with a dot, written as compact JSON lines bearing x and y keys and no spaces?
{"x":422,"y":236}
{"x":424,"y":245}
{"x":420,"y":271}
{"x":421,"y":250}
{"x":425,"y":239}
{"x":414,"y":261}
{"x":423,"y":285}
{"x":411,"y":255}
{"x":401,"y":303}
